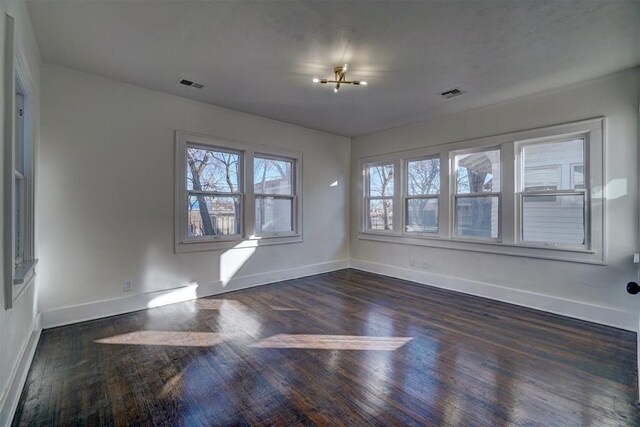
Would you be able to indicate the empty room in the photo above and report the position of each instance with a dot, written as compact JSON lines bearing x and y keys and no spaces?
{"x":331,"y":213}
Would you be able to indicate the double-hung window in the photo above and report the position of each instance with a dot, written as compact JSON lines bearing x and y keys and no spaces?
{"x":380,"y":191}
{"x":235,"y":194}
{"x":273,"y":185}
{"x":552,"y":194}
{"x":477,"y":194}
{"x":214,"y":202}
{"x":422,"y":194}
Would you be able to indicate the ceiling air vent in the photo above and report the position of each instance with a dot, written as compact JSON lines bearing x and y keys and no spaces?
{"x":191,"y":84}
{"x":452,"y":93}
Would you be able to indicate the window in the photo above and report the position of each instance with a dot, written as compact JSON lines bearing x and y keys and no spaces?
{"x":553,"y":208}
{"x":379,"y":199}
{"x":273,"y":188}
{"x":537,"y":193}
{"x":477,"y":197}
{"x":214,"y":202}
{"x":20,"y":262}
{"x":421,"y":200}
{"x":229,"y":192}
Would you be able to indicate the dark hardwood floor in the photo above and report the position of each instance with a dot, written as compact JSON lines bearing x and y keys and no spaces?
{"x":343,"y":348}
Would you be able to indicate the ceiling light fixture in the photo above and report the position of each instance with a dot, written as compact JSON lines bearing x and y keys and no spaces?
{"x":340,"y":78}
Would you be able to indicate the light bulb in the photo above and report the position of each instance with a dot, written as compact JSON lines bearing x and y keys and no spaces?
{"x":345,"y":67}
{"x":335,"y":90}
{"x":316,"y":80}
{"x":363,"y":83}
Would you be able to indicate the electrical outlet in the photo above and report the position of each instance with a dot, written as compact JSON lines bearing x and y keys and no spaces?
{"x":128,"y":285}
{"x":425,"y":265}
{"x":412,"y":262}
{"x":636,"y":258}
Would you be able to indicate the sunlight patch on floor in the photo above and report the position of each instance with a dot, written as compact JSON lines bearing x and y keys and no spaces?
{"x":170,"y":338}
{"x":332,"y":342}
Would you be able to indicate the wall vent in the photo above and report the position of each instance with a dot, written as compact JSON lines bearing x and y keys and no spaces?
{"x":191,"y":84}
{"x":452,"y":93}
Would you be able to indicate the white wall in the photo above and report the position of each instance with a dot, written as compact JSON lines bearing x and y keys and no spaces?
{"x":107,"y":192}
{"x":17,"y":324}
{"x":587,"y":291}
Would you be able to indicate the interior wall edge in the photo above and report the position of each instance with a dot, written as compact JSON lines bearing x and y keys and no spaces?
{"x":113,"y":307}
{"x":18,"y":377}
{"x":576,"y":309}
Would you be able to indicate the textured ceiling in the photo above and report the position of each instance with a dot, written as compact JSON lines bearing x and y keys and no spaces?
{"x":260,"y":57}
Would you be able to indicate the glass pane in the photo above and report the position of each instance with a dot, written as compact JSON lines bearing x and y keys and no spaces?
{"x":560,"y":220}
{"x":477,"y":216}
{"x":273,"y":215}
{"x":553,"y":165}
{"x":272,"y":176}
{"x":423,"y":177}
{"x":381,"y":181}
{"x":19,"y":129}
{"x":213,"y":215}
{"x":478,"y":172}
{"x":210,"y":170}
{"x":422,"y":215}
{"x":380,"y":215}
{"x":18,"y":219}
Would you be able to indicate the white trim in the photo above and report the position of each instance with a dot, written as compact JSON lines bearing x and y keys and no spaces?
{"x":112,"y":307}
{"x":11,"y":397}
{"x":564,"y":307}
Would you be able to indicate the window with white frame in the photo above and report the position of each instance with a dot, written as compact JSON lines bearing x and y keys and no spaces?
{"x":229,"y":192}
{"x":379,"y":197}
{"x":477,"y":194}
{"x":422,"y":193}
{"x":274,"y":194}
{"x":552,"y":194}
{"x":19,"y":264}
{"x":537,"y":193}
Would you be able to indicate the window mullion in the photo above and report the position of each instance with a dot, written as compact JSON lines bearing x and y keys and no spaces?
{"x":508,"y":204}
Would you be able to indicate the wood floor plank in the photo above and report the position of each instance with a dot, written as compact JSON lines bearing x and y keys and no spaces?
{"x":341,"y":348}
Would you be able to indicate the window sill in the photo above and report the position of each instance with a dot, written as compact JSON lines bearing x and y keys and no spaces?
{"x":188,"y":246}
{"x":24,"y":272}
{"x":488,"y":246}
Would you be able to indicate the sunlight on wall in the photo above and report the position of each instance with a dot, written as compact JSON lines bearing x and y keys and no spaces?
{"x":332,"y":342}
{"x":170,"y":338}
{"x":177,"y":295}
{"x":232,"y":260}
{"x":334,"y":184}
{"x":616,"y":188}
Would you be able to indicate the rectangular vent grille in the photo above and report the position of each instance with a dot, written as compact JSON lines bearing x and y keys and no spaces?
{"x":191,"y":84}
{"x":452,"y":93}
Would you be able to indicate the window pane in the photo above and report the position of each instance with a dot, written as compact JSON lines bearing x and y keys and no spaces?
{"x":273,"y":215}
{"x":380,"y":215}
{"x":423,"y":177}
{"x":478,"y":172}
{"x":210,"y":170}
{"x":272,"y":176}
{"x":381,"y":181}
{"x":477,"y":216}
{"x":558,"y":221}
{"x":213,"y":215}
{"x":422,"y":215}
{"x":553,"y":165}
{"x":18,"y":213}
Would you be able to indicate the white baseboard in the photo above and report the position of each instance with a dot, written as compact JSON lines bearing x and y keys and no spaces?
{"x":576,"y":309}
{"x":18,"y":377}
{"x":112,"y":307}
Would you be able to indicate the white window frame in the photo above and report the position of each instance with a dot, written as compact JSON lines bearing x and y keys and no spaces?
{"x":247,"y":237}
{"x":521,"y":193}
{"x":19,"y":270}
{"x":455,"y":195}
{"x":406,"y":197}
{"x":396,"y":225}
{"x":509,"y":242}
{"x":293,"y":196}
